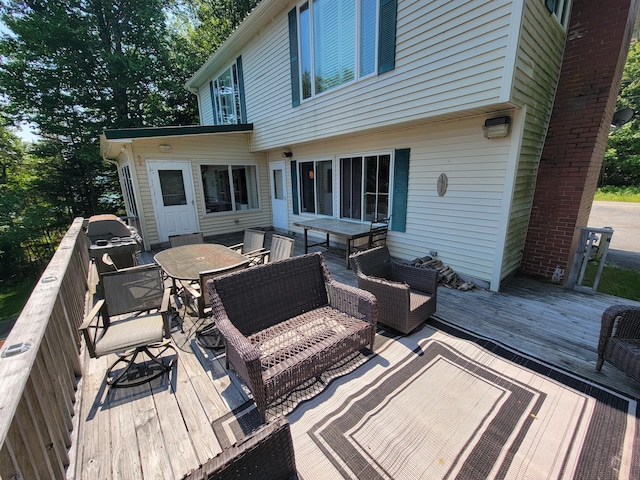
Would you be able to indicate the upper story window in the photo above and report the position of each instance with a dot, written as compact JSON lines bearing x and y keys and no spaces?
{"x":335,"y":42}
{"x":227,"y":96}
{"x":560,"y":9}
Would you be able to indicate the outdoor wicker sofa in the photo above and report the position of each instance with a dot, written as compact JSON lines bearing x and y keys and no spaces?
{"x":266,"y":453}
{"x":286,"y":322}
{"x":619,"y":342}
{"x":407,"y":295}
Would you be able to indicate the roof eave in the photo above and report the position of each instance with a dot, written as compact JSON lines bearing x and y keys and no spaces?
{"x":129,"y":134}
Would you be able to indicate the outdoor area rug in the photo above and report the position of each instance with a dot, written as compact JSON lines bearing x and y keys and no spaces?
{"x":444,"y":404}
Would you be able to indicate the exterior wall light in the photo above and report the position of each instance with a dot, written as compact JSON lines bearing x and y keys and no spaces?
{"x":164,"y":148}
{"x":287,"y":154}
{"x":496,"y":127}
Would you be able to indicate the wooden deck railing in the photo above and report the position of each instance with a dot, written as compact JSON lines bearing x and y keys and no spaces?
{"x":40,"y":367}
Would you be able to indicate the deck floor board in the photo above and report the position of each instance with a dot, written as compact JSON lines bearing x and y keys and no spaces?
{"x":164,"y":429}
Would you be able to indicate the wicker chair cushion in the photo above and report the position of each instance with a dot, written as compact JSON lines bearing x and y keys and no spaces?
{"x":131,"y":333}
{"x":294,"y":348}
{"x":418,"y":299}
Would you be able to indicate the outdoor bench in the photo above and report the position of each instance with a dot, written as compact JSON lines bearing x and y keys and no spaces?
{"x":287,"y":322}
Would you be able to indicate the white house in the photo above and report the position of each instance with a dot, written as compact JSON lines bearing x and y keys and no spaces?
{"x":356,"y":108}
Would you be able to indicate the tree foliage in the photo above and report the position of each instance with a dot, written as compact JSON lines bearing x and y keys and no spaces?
{"x":73,"y":68}
{"x":621,"y":166}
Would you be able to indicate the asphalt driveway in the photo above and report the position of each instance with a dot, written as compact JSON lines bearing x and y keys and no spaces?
{"x":624,"y":218}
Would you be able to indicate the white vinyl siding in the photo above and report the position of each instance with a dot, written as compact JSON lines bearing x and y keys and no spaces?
{"x":462,"y":226}
{"x":538,"y":63}
{"x":450,"y":56}
{"x":204,"y":149}
{"x":206,"y":106}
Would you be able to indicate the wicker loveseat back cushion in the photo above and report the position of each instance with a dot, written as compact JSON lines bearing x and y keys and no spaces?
{"x":262,"y":296}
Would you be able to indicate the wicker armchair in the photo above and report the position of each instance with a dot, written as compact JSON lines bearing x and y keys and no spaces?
{"x":406,"y":294}
{"x":620,"y":339}
{"x":286,"y":322}
{"x":266,"y":453}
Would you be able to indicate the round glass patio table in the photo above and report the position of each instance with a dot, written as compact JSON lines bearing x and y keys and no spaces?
{"x":187,"y":261}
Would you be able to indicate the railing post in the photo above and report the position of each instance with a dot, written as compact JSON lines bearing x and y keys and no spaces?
{"x":589,"y":236}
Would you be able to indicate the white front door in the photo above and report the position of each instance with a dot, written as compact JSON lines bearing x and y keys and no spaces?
{"x":173,"y":198}
{"x":279,"y":212}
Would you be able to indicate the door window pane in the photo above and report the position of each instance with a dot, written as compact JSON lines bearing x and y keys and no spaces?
{"x":307,"y":193}
{"x":374,"y":173}
{"x":172,"y":187}
{"x":351,"y":187}
{"x":278,"y":187}
{"x":324,"y":187}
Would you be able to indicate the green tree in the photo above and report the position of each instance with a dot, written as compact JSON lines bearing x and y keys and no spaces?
{"x":30,"y":224}
{"x":202,"y":25}
{"x":76,"y":68}
{"x":621,"y":166}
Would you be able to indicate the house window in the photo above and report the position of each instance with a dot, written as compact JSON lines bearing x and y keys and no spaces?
{"x":337,"y":43}
{"x":127,"y":191}
{"x":227,"y":96}
{"x":364,"y":187}
{"x":316,"y":187}
{"x":229,"y":187}
{"x":560,"y":9}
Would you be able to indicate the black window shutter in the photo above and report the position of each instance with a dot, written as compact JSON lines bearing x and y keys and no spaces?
{"x":294,"y":187}
{"x":551,"y":5}
{"x":400,"y":190}
{"x":387,"y":36}
{"x":293,"y":57}
{"x":243,"y":105}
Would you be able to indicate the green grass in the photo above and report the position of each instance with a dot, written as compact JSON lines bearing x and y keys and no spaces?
{"x":614,"y":281}
{"x":618,"y":194}
{"x":13,"y":298}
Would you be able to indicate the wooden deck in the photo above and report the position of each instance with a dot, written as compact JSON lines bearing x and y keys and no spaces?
{"x":163,"y":430}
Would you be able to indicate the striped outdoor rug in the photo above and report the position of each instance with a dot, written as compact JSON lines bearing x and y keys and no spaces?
{"x":443,"y":404}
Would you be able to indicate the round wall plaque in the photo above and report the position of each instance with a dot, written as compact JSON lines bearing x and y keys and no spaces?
{"x":442,"y":184}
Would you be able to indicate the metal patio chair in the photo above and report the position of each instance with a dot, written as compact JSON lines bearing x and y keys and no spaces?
{"x":281,"y":248}
{"x":252,"y":245}
{"x":377,"y":234}
{"x":186,"y":239}
{"x":133,"y":321}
